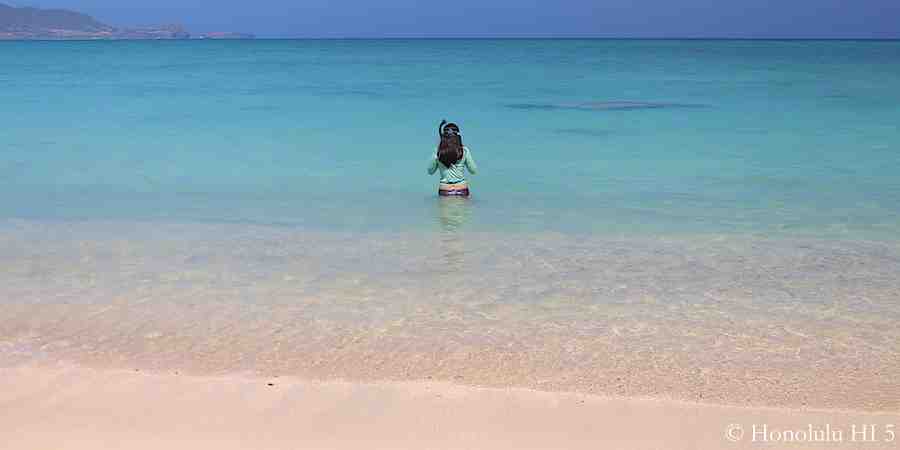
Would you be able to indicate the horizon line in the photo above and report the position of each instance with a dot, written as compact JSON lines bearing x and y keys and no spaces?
{"x":593,"y":38}
{"x":484,"y":38}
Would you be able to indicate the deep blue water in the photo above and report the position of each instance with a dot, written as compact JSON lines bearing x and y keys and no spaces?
{"x":594,"y":136}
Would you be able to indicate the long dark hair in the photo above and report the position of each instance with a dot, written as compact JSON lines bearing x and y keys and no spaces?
{"x":450,"y":150}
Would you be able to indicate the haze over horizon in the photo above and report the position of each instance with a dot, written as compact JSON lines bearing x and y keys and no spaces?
{"x":878,"y":19}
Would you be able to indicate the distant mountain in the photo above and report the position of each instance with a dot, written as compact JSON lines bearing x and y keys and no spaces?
{"x":36,"y":23}
{"x":34,"y":19}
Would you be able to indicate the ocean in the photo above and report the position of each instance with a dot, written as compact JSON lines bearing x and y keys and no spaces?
{"x":690,"y":218}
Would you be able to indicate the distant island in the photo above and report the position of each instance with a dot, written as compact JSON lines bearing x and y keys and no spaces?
{"x":59,"y":24}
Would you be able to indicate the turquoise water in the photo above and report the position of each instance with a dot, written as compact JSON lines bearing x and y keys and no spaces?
{"x":787,"y":137}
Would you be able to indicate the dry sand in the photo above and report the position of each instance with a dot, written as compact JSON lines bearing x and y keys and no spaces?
{"x":79,"y":408}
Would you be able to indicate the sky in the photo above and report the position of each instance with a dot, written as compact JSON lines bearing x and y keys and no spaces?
{"x":506,"y":18}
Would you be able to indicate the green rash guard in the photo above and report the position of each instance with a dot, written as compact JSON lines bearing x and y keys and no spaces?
{"x":455,"y":173}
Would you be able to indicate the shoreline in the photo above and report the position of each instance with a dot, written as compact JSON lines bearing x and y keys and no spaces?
{"x":81,"y":408}
{"x":757,"y":322}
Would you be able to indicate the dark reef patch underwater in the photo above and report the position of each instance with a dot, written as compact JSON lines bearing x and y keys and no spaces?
{"x":582,"y":132}
{"x":603,"y":106}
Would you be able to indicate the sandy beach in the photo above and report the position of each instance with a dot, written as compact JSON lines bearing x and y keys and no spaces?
{"x":139,"y":336}
{"x":190,"y":336}
{"x":76,"y":408}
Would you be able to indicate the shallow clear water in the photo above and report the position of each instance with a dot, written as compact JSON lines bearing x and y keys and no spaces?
{"x":724,"y":318}
{"x":710,"y":220}
{"x":787,"y":137}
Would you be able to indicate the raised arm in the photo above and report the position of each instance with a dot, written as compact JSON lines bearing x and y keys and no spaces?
{"x":470,"y":162}
{"x":433,"y":165}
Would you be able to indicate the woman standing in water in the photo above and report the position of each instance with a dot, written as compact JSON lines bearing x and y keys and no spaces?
{"x":452,"y":158}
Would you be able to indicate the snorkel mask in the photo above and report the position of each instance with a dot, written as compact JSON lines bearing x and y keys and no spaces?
{"x":448,"y":129}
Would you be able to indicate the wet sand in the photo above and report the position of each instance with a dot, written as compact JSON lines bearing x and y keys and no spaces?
{"x":740,"y":320}
{"x":165,"y":335}
{"x":77,"y":408}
